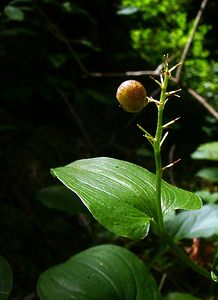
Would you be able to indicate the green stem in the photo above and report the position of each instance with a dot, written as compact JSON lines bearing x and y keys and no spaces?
{"x":157,"y":155}
{"x":157,"y":151}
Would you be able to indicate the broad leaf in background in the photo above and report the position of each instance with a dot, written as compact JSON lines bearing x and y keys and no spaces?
{"x":14,"y":13}
{"x":6,"y":278}
{"x":206,"y":151}
{"x":210,"y":174}
{"x":121,"y":195}
{"x":214,"y":272}
{"x":180,"y":296}
{"x":102,"y":272}
{"x":61,"y":198}
{"x":194,"y":224}
{"x":207,"y":196}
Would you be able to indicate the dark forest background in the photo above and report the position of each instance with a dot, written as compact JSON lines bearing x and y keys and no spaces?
{"x":61,"y":63}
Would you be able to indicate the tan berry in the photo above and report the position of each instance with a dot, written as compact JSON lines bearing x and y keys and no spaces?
{"x":131,"y":95}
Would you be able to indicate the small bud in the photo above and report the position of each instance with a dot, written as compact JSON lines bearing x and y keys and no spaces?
{"x":131,"y":95}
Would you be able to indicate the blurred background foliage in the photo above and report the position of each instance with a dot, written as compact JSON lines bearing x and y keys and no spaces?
{"x":56,"y":107}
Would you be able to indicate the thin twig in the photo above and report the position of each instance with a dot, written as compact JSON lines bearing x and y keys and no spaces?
{"x":162,"y":281}
{"x":77,"y":120}
{"x":204,"y":102}
{"x":56,"y":31}
{"x":199,"y":98}
{"x":190,"y":39}
{"x":123,"y":74}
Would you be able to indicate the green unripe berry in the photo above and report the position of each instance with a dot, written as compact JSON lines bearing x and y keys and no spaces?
{"x":131,"y":95}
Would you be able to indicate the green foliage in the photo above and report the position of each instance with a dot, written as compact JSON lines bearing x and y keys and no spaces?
{"x":195,"y":224}
{"x":180,"y":296}
{"x":210,"y":174}
{"x":207,"y":196}
{"x":214,"y":272}
{"x":60,"y":198}
{"x":14,"y":13}
{"x":166,"y":26}
{"x":101,"y":272}
{"x":6,"y":278}
{"x":121,"y":195}
{"x":207,"y":151}
{"x":48,"y":95}
{"x":172,"y":31}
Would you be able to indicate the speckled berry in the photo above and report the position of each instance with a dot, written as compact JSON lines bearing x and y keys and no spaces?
{"x":131,"y":95}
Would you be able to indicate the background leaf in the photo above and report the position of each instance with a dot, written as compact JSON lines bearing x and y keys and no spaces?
{"x":210,"y":174}
{"x":102,"y":272}
{"x":207,"y":196}
{"x":6,"y":278}
{"x":121,"y":195}
{"x":14,"y":13}
{"x":61,"y":198}
{"x":195,"y":224}
{"x":206,"y":151}
{"x":180,"y":296}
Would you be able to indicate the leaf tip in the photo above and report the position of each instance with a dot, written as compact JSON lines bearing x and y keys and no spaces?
{"x":52,"y":171}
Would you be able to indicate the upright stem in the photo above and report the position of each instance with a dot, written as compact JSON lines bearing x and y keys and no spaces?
{"x":157,"y":149}
{"x":157,"y":154}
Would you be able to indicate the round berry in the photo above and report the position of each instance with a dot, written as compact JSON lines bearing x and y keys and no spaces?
{"x":131,"y":95}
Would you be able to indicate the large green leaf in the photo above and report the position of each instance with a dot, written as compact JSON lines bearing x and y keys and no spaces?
{"x":206,"y":151}
{"x":6,"y":278}
{"x":195,"y":224}
{"x":121,"y":195}
{"x":102,"y":272}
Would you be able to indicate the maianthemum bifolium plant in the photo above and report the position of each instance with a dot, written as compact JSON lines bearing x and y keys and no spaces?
{"x":126,"y":199}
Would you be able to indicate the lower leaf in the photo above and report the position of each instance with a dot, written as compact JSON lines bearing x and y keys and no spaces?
{"x":102,"y":272}
{"x":6,"y":279}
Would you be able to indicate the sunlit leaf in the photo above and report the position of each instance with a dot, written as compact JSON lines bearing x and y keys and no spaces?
{"x":6,"y":279}
{"x":195,"y":224}
{"x":102,"y":272}
{"x":121,"y":195}
{"x":206,"y":151}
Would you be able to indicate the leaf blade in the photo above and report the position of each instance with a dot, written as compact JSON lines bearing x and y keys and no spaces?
{"x":14,"y":13}
{"x":6,"y":279}
{"x":100,"y":272}
{"x":206,"y":151}
{"x":195,"y":224}
{"x":121,"y":195}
